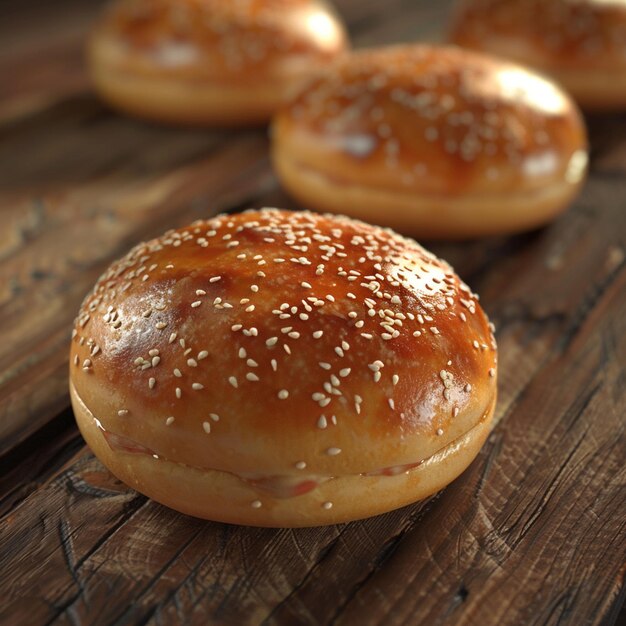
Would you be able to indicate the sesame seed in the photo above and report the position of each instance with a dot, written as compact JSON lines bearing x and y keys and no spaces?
{"x":197,"y":386}
{"x":300,"y":465}
{"x":283,"y":394}
{"x":214,"y":279}
{"x":151,"y":383}
{"x":233,"y":381}
{"x":252,"y":377}
{"x":394,"y":379}
{"x":317,"y":334}
{"x":333,"y":451}
{"x":192,"y":363}
{"x":203,"y":354}
{"x":322,"y":422}
{"x":439,"y":432}
{"x":179,"y":392}
{"x":327,"y":505}
{"x":169,"y":421}
{"x":195,"y":304}
{"x":206,"y":426}
{"x":178,"y":373}
{"x":492,"y":372}
{"x":256,"y":504}
{"x":122,"y":412}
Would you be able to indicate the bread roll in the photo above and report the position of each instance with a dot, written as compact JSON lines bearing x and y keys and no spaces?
{"x":283,"y":369}
{"x":209,"y":62}
{"x":434,"y":141}
{"x":581,"y":43}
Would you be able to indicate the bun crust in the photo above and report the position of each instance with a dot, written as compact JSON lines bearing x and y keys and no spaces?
{"x":210,"y":61}
{"x":287,"y":351}
{"x":581,"y":44}
{"x":426,"y":136}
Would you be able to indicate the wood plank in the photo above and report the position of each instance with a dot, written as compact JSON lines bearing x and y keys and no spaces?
{"x":30,"y":465}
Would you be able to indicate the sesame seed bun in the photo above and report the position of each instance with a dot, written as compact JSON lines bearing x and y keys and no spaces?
{"x":581,"y":44}
{"x":212,"y":61}
{"x":283,"y":369}
{"x":435,"y":141}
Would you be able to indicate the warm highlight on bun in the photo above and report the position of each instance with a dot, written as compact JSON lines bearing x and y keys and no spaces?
{"x":283,"y":369}
{"x":581,"y":44}
{"x":210,"y":61}
{"x":435,"y":141}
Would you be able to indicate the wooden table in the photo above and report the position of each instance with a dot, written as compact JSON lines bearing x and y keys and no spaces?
{"x":532,"y":533}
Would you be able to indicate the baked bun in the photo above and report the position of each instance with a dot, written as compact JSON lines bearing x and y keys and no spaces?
{"x":210,"y":61}
{"x":283,"y":369}
{"x":581,"y":44}
{"x":437,"y":142}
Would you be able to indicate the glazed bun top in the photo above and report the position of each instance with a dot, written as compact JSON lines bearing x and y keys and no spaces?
{"x":273,"y":341}
{"x":224,"y":39}
{"x":556,"y":34}
{"x":437,"y":120}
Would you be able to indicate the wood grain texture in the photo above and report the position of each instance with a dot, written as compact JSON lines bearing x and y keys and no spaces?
{"x":533,"y":533}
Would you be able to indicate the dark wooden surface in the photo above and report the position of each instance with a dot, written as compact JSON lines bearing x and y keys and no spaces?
{"x":533,"y":533}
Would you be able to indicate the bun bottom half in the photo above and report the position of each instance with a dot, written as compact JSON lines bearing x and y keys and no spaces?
{"x":167,"y":100}
{"x":224,"y":497}
{"x":427,"y":217}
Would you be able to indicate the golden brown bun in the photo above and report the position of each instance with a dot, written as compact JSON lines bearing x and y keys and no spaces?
{"x":581,"y":44}
{"x":210,"y":61}
{"x":435,"y":141}
{"x":243,"y":347}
